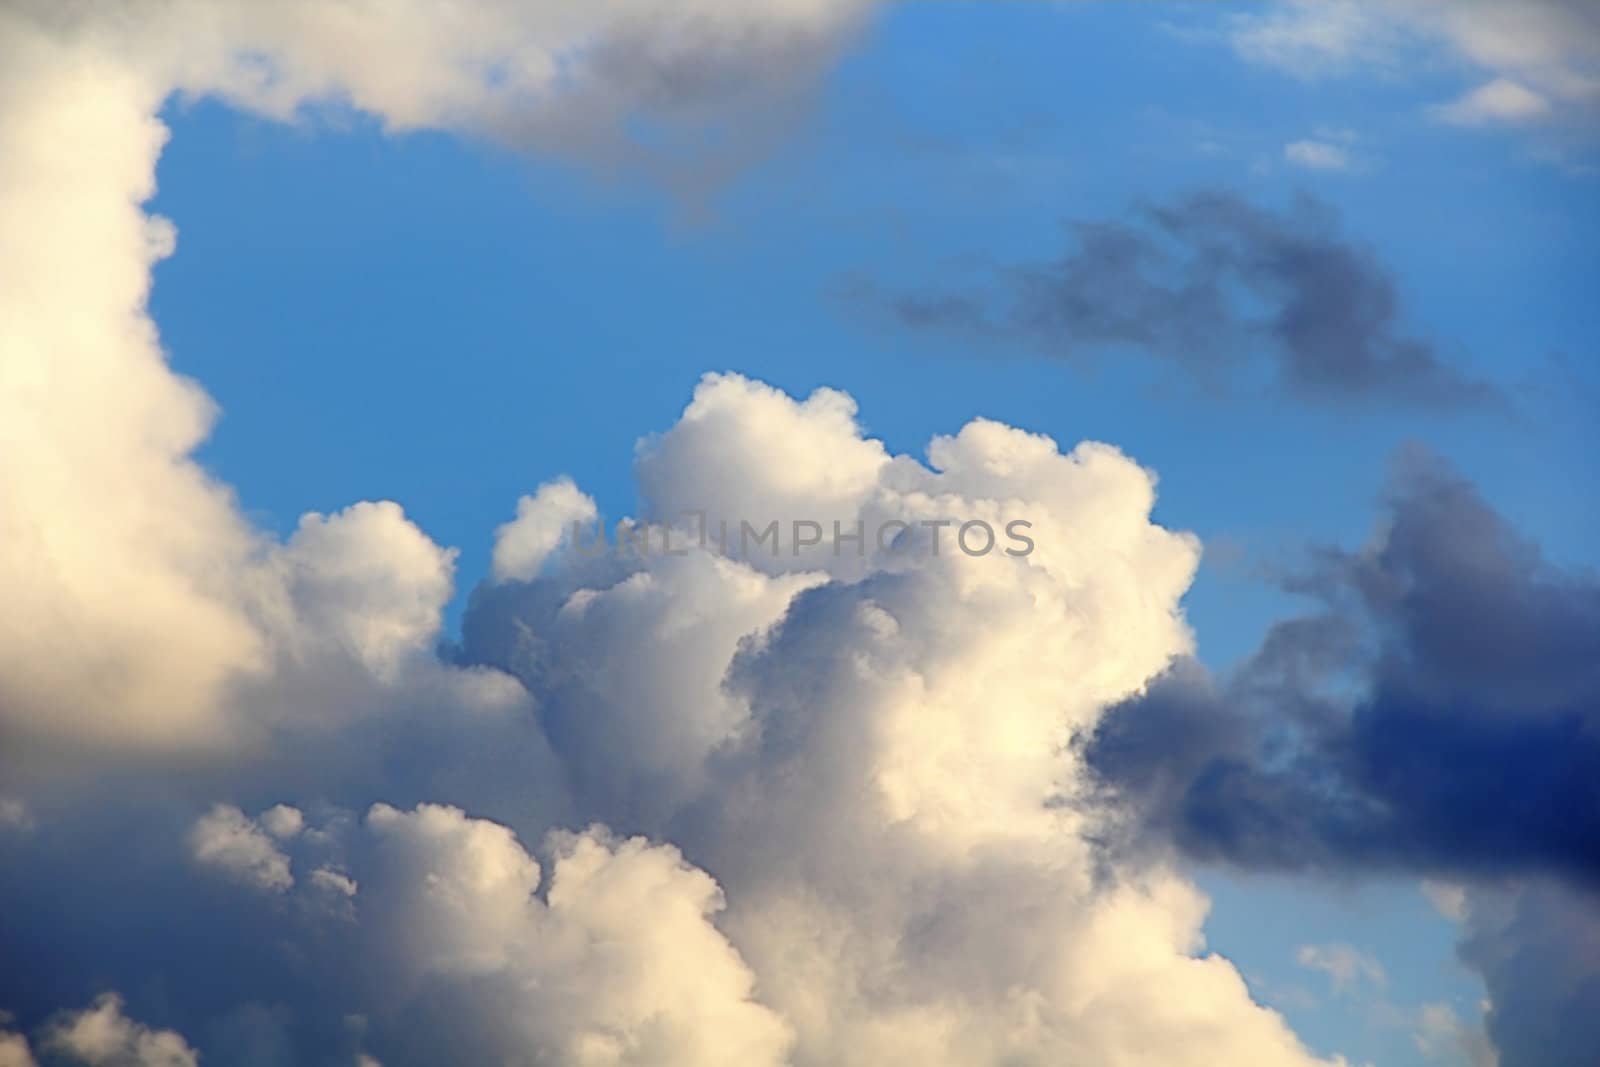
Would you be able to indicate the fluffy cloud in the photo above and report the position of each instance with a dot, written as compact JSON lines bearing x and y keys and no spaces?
{"x":592,"y":971}
{"x":885,"y":753}
{"x":102,"y":1036}
{"x":543,"y":521}
{"x":226,"y":839}
{"x":861,"y":761}
{"x":137,"y":595}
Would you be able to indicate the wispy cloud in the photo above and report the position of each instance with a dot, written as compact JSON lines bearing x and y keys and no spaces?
{"x":1501,"y":100}
{"x":1317,"y":155}
{"x":1164,"y":282}
{"x":1347,"y":967}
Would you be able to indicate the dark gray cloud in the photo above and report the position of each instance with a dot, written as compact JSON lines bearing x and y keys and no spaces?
{"x":1538,"y":949}
{"x":1214,"y":284}
{"x":1440,"y":714}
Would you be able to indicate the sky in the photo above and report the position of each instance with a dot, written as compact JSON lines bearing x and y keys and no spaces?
{"x":324,"y":743}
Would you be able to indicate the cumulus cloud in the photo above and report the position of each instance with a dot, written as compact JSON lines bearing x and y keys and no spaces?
{"x":226,"y":839}
{"x":543,"y":521}
{"x":860,"y":762}
{"x":1164,"y":283}
{"x":849,"y":757}
{"x":593,"y":969}
{"x":138,"y":595}
{"x":282,"y":821}
{"x":102,"y":1036}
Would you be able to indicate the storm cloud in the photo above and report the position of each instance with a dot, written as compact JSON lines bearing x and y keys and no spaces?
{"x":1439,"y":714}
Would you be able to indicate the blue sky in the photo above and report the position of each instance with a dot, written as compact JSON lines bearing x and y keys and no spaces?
{"x":449,"y":322}
{"x":393,"y":276}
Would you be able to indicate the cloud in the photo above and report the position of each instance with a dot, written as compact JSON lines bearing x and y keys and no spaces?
{"x":1438,"y":717}
{"x":1346,"y":966}
{"x":1314,"y":38}
{"x":226,"y":839}
{"x":1541,"y":58}
{"x":592,"y":969}
{"x":282,"y":821}
{"x":14,"y":1051}
{"x":543,"y":71}
{"x":1501,"y":100}
{"x":835,"y":791}
{"x":1441,"y":1035}
{"x":1469,"y":749}
{"x":1317,"y":155}
{"x":1164,"y":283}
{"x":102,"y":1036}
{"x":835,"y":787}
{"x":543,"y":520}
{"x":140,"y":598}
{"x":1538,"y":949}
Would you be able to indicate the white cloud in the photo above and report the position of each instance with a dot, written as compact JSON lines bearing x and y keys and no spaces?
{"x":1501,"y":100}
{"x":1542,"y":57}
{"x":227,"y":840}
{"x":138,"y":597}
{"x":282,"y":821}
{"x":543,"y":521}
{"x":616,"y":962}
{"x":865,"y":758}
{"x":866,"y":761}
{"x":366,"y":583}
{"x":1309,"y":38}
{"x":1317,"y":155}
{"x":870,"y":755}
{"x":102,"y":1036}
{"x":332,"y":881}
